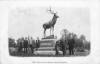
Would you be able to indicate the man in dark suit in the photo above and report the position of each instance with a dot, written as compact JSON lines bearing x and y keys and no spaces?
{"x":25,"y":45}
{"x":71,"y":43}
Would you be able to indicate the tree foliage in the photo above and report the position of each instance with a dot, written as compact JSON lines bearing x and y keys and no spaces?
{"x":80,"y":42}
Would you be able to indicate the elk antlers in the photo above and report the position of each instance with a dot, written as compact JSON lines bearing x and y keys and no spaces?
{"x":51,"y":11}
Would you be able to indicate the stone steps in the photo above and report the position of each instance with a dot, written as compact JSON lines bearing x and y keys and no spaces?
{"x":46,"y":48}
{"x":44,"y":53}
{"x":47,"y":45}
{"x":47,"y":41}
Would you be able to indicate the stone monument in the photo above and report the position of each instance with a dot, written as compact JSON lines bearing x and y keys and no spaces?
{"x":47,"y":43}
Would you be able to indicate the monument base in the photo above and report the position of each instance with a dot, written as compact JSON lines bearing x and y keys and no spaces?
{"x":50,"y":37}
{"x":47,"y":44}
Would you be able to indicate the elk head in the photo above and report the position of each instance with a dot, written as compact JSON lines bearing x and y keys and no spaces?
{"x":52,"y":12}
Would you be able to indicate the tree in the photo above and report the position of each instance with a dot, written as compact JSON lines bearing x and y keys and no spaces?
{"x":64,"y":31}
{"x":64,"y":34}
{"x":11,"y":42}
{"x":75,"y":36}
{"x":82,"y":37}
{"x":87,"y":45}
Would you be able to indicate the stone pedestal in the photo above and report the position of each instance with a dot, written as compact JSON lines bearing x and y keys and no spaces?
{"x":47,"y":44}
{"x":50,"y":37}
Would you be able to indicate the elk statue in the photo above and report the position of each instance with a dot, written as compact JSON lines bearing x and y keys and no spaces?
{"x":50,"y":25}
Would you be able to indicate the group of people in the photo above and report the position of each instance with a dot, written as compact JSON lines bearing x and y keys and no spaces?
{"x":26,"y":44}
{"x":68,"y":42}
{"x":65,"y":44}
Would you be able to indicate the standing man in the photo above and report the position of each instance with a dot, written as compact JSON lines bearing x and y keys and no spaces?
{"x":71,"y":43}
{"x":38,"y":42}
{"x":31,"y":45}
{"x":64,"y":42}
{"x":25,"y":45}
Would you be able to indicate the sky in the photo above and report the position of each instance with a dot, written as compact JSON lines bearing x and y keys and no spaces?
{"x":29,"y":21}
